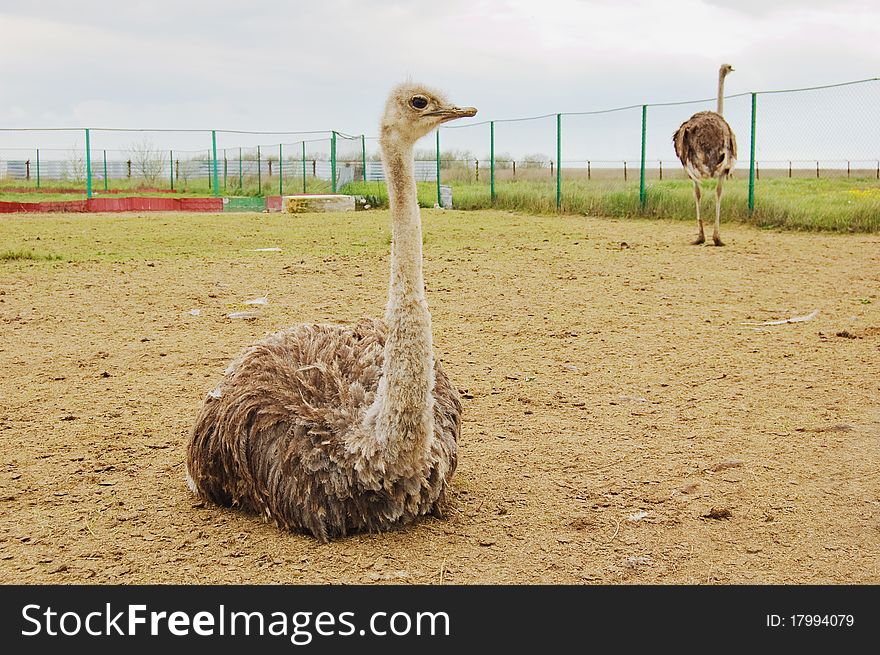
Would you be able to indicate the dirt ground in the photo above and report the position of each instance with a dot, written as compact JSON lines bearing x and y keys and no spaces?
{"x":622,"y":424}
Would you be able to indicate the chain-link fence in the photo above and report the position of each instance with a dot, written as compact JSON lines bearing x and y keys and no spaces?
{"x":213,"y":162}
{"x":567,"y":161}
{"x":831,"y":131}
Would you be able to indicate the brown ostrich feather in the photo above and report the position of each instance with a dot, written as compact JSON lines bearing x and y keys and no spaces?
{"x":278,"y":436}
{"x":706,"y":145}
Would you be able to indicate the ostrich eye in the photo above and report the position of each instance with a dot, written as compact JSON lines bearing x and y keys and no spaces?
{"x":418,"y":102}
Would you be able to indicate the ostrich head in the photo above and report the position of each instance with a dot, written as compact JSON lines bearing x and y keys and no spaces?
{"x":725,"y":69}
{"x":412,"y":111}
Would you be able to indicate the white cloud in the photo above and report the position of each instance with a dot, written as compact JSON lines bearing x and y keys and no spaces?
{"x":305,"y":66}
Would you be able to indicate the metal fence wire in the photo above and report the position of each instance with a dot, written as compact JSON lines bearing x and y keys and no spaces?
{"x":831,"y":130}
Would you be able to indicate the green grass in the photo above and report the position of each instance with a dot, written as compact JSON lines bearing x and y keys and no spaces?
{"x":308,"y":238}
{"x":12,"y":191}
{"x":236,"y":236}
{"x":51,"y":190}
{"x":833,"y":204}
{"x":130,"y":236}
{"x":27,"y":254}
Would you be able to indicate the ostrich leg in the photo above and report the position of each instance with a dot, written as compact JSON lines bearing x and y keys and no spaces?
{"x":716,"y":233}
{"x":701,"y":238}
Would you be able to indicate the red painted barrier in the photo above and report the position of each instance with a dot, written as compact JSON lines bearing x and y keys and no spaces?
{"x":132,"y":204}
{"x":201,"y":204}
{"x":63,"y":206}
{"x":14,"y":207}
{"x":273,"y":203}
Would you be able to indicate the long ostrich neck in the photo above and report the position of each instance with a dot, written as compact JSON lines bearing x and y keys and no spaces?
{"x":721,"y":75}
{"x":403,"y":410}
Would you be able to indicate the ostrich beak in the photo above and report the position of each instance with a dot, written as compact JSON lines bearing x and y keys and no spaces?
{"x":451,"y":113}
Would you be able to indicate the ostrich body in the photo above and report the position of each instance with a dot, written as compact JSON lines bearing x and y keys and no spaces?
{"x":706,"y":146}
{"x":336,"y":429}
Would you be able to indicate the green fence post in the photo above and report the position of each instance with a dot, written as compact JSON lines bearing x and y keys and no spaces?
{"x":752,"y":157}
{"x":240,"y":173}
{"x":171,"y":168}
{"x":304,"y":166}
{"x":364,"y":155}
{"x":558,"y":161}
{"x":105,"y":171}
{"x":38,"y":168}
{"x":333,"y":161}
{"x":214,"y":153}
{"x":259,"y":174}
{"x":643,"y":200}
{"x":437,"y":156}
{"x":88,"y":165}
{"x":492,"y":161}
{"x":280,"y":169}
{"x":225,"y":170}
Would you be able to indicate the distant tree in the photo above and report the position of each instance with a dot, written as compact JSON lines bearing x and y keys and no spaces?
{"x":146,"y":161}
{"x":75,"y":166}
{"x":187,"y":168}
{"x":535,"y":160}
{"x":425,"y":154}
{"x":456,"y":158}
{"x":503,"y":161}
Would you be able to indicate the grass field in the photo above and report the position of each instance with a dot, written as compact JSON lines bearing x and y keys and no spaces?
{"x":622,"y":421}
{"x":20,"y":191}
{"x":836,"y":204}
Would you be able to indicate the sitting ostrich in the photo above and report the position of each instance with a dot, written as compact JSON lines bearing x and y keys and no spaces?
{"x":706,"y":146}
{"x":337,"y":429}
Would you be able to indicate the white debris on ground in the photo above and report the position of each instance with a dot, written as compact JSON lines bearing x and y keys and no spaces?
{"x":195,"y":312}
{"x":247,"y":315}
{"x":638,"y":516}
{"x":793,"y":319}
{"x":266,"y":250}
{"x":262,"y":300}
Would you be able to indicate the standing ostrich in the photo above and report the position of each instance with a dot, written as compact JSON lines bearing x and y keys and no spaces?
{"x":706,"y":146}
{"x":336,"y":429}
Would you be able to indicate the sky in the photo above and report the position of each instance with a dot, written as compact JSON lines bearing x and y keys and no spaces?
{"x":296,"y":66}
